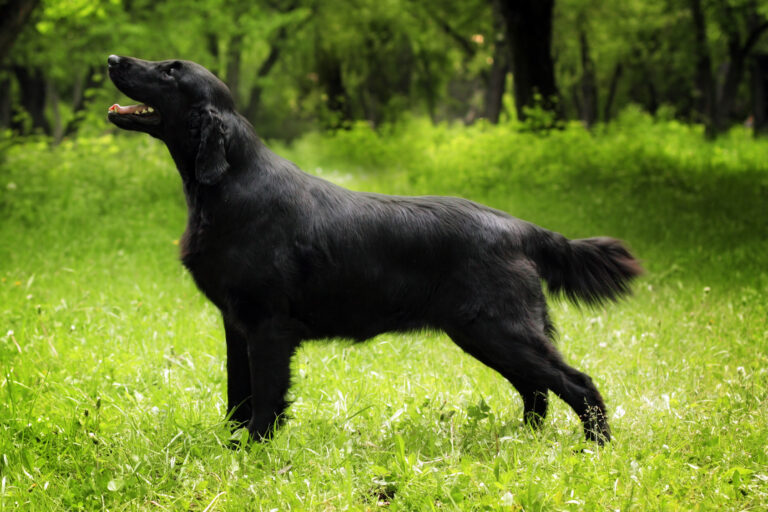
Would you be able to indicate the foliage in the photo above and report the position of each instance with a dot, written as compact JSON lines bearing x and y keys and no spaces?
{"x":112,"y":374}
{"x":295,"y":65}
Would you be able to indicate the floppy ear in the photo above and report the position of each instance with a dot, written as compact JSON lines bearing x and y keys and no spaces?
{"x":211,"y":161}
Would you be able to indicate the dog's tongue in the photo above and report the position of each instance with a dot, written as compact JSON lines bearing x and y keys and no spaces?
{"x":130,"y":109}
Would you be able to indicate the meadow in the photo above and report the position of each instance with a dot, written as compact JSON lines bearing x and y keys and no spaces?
{"x":112,"y":364}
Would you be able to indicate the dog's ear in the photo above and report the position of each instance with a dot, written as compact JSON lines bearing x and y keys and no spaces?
{"x":211,"y":161}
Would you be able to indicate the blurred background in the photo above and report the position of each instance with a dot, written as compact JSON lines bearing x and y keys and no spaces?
{"x":301,"y":65}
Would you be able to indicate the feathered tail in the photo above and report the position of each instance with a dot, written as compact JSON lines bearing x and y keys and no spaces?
{"x":589,"y":270}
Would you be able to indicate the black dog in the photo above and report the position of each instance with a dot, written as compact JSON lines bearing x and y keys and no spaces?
{"x":287,"y":256}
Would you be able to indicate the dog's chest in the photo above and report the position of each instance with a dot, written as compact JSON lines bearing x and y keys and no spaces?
{"x":199,"y":262}
{"x":230,"y":266}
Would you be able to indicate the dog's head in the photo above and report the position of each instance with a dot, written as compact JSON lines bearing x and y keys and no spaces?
{"x":182,"y":104}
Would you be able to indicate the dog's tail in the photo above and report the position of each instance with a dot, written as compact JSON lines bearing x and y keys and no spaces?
{"x":589,"y":270}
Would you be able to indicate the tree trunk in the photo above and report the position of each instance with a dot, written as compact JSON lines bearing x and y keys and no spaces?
{"x":576,"y":97}
{"x":615,"y":77}
{"x":330,"y":77}
{"x":653,"y":97}
{"x":251,"y":110}
{"x":703,"y":82}
{"x":732,"y":71}
{"x":79,"y":95}
{"x":528,"y":25}
{"x":760,"y":94}
{"x":254,"y":99}
{"x":497,"y":83}
{"x":13,"y":16}
{"x":52,"y":99}
{"x":733,"y":75}
{"x":5,"y":101}
{"x":212,"y":43}
{"x":588,"y":83}
{"x":234,"y":53}
{"x":497,"y":77}
{"x":730,"y":77}
{"x":429,"y":86}
{"x":32,"y":91}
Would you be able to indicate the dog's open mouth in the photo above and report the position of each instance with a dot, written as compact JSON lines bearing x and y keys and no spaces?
{"x":141,"y":113}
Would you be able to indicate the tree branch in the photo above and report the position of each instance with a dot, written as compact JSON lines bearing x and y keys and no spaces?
{"x":754,"y":37}
{"x":464,"y":44}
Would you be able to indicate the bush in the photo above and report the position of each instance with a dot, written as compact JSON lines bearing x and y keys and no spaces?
{"x":474,"y":160}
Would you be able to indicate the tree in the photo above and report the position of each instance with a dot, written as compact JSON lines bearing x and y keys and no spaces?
{"x":528,"y":25}
{"x":294,"y":65}
{"x":13,"y":17}
{"x":476,"y":32}
{"x":742,"y":23}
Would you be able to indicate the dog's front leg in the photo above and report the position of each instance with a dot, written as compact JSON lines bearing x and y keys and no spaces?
{"x":270,"y":347}
{"x":238,"y":375}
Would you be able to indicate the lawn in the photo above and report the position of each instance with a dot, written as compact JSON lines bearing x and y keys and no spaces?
{"x":112,"y":364}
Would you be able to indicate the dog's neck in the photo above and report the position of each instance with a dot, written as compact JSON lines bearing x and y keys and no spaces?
{"x":250,"y":148}
{"x":184,"y":158}
{"x":184,"y":150}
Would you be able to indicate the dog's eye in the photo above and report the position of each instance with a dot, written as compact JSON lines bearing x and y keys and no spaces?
{"x":172,"y":69}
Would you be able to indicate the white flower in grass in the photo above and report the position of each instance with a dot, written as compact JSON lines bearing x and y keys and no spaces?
{"x":508,"y":499}
{"x":619,"y":412}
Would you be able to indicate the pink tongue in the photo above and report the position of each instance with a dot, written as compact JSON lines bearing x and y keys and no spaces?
{"x":130,"y":109}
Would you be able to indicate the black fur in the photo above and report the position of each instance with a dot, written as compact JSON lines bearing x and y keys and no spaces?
{"x":287,"y":256}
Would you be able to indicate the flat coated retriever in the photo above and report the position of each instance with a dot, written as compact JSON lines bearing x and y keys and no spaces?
{"x":287,"y":256}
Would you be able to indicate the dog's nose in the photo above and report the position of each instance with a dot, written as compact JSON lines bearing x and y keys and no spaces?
{"x":113,"y":60}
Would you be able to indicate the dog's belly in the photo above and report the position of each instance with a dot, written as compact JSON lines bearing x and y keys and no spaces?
{"x":360,"y":314}
{"x":336,"y":289}
{"x":359,"y":311}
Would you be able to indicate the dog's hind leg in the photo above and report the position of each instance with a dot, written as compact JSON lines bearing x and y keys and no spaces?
{"x":534,"y":395}
{"x":525,"y":356}
{"x":578,"y":391}
{"x":270,"y":347}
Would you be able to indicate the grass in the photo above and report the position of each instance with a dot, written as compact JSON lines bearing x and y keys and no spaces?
{"x":112,"y":378}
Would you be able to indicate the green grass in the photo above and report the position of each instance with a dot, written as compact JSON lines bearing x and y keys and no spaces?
{"x":112,"y":379}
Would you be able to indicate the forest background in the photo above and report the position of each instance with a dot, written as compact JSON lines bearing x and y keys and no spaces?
{"x":299,"y":65}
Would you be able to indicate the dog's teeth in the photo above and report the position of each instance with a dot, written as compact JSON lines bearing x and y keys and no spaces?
{"x":150,"y":109}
